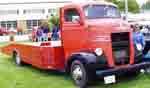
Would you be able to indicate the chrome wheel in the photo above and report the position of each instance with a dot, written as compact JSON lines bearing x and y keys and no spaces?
{"x":77,"y":73}
{"x":18,"y":60}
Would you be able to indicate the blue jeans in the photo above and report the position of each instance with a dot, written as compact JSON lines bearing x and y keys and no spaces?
{"x":55,"y":36}
{"x":45,"y":37}
{"x":39,"y":38}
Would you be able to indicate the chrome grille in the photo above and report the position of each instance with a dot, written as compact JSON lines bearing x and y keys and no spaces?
{"x":120,"y":47}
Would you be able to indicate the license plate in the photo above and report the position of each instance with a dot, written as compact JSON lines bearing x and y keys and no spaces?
{"x":110,"y":79}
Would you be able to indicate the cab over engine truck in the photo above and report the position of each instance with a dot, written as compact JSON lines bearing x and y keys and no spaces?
{"x":95,"y":42}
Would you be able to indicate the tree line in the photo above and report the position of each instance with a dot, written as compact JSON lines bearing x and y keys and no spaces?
{"x":146,"y":6}
{"x":132,"y":5}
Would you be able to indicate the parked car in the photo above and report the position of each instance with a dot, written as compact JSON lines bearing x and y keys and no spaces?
{"x":12,"y":31}
{"x":3,"y":31}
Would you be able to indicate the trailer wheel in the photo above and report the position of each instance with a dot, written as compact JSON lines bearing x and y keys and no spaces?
{"x":17,"y":58}
{"x":80,"y":74}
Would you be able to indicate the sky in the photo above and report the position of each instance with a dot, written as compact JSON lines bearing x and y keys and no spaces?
{"x":6,"y":1}
{"x":141,"y":2}
{"x":10,"y":1}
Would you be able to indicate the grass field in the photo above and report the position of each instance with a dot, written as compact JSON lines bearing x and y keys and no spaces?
{"x":26,"y":76}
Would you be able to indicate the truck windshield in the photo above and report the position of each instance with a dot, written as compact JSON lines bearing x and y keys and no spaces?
{"x":101,"y":11}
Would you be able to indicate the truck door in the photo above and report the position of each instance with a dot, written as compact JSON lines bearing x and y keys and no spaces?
{"x":73,"y":33}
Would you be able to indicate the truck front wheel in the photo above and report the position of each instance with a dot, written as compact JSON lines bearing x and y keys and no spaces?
{"x":80,"y":74}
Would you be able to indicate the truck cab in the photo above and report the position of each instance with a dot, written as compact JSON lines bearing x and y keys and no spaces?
{"x":96,"y":41}
{"x":97,"y":26}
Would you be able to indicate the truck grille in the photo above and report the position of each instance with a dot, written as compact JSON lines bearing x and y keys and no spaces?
{"x":120,"y":48}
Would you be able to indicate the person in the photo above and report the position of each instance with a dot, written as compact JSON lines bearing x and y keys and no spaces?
{"x":39,"y":34}
{"x":146,"y":32}
{"x":138,"y":37}
{"x":19,"y":31}
{"x":34,"y":30}
{"x":45,"y":32}
{"x":55,"y":34}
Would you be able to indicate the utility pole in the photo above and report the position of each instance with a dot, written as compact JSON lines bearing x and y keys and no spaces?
{"x":126,"y":9}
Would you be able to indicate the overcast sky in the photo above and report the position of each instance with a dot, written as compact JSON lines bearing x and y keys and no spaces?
{"x":141,"y":1}
{"x":6,"y":1}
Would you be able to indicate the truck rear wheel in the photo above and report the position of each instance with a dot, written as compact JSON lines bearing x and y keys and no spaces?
{"x":17,"y":58}
{"x":80,"y":74}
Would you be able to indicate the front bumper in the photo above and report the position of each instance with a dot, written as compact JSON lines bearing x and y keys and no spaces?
{"x":124,"y":69}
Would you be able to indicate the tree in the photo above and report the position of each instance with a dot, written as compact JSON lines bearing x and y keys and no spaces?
{"x":132,"y":5}
{"x":114,"y":1}
{"x":146,"y":6}
{"x":53,"y":21}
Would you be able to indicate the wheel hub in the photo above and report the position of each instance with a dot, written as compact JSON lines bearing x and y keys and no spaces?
{"x":17,"y":59}
{"x":77,"y":73}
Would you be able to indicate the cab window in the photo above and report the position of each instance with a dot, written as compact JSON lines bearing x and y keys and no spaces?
{"x":72,"y":15}
{"x":101,"y":11}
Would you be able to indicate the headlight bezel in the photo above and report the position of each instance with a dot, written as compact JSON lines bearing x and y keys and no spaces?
{"x":98,"y":51}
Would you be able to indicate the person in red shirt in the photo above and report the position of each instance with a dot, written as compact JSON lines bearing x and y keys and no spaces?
{"x":19,"y":31}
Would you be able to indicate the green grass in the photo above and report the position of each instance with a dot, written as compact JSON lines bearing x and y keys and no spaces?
{"x":12,"y":76}
{"x":26,"y":76}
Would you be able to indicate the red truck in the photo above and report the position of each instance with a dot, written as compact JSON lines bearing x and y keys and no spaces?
{"x":95,"y":42}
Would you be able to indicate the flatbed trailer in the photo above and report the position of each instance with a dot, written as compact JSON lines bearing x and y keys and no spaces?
{"x":41,"y":55}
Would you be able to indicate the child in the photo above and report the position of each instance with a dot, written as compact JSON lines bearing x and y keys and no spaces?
{"x":45,"y":33}
{"x":55,"y":34}
{"x":39,"y":34}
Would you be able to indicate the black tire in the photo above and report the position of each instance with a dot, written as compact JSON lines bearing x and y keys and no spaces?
{"x":81,"y":80}
{"x":133,"y":73}
{"x":17,"y":59}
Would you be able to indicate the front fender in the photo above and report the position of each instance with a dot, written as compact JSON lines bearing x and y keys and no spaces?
{"x":91,"y":60}
{"x":85,"y":57}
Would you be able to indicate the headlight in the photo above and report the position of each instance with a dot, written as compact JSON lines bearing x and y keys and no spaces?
{"x":98,"y":51}
{"x":139,"y":47}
